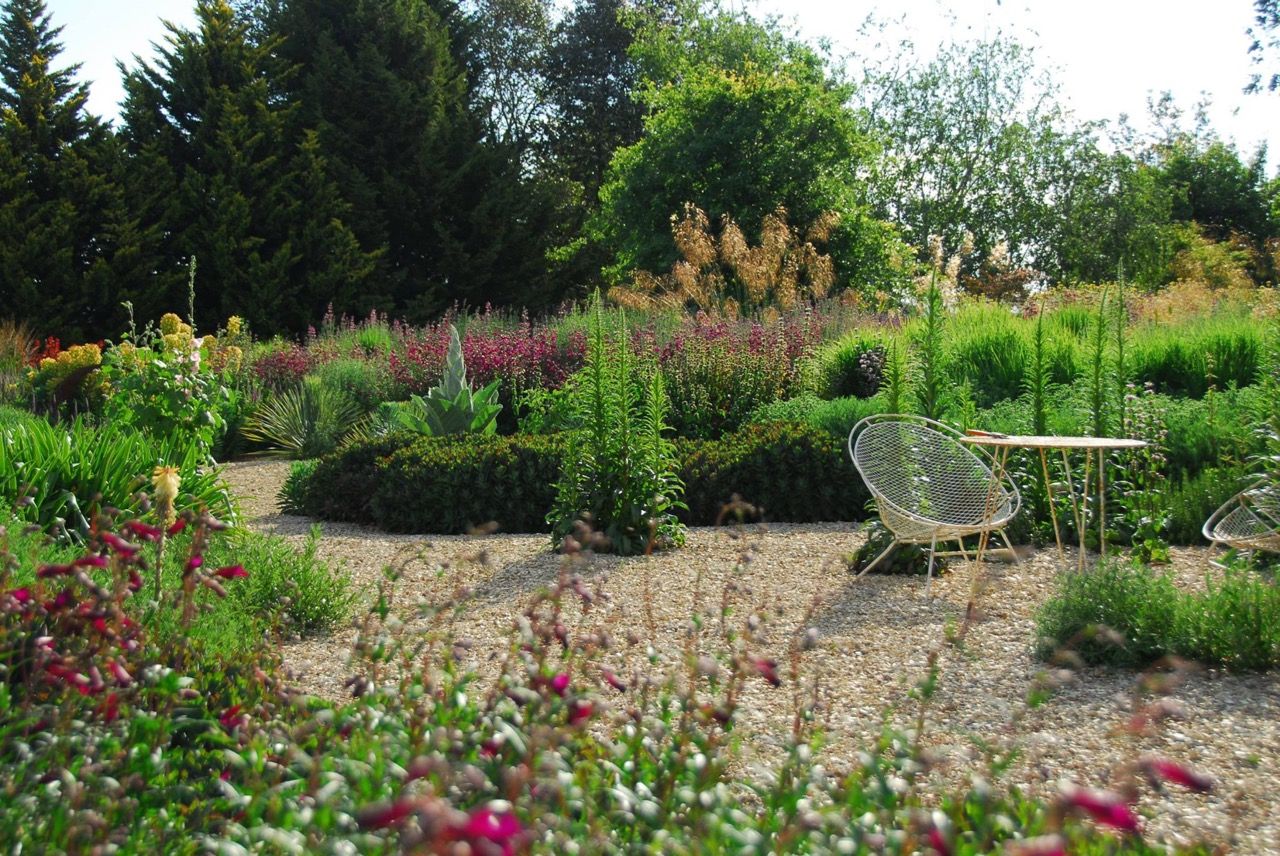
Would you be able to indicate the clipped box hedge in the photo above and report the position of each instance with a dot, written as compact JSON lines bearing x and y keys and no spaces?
{"x":451,"y":485}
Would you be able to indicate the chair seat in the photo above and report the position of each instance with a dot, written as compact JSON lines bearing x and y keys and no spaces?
{"x":1248,"y":521}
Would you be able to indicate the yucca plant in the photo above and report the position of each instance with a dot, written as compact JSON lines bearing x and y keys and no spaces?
{"x":303,"y":422}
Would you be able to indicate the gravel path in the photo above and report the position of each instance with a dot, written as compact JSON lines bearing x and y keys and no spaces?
{"x":874,"y":638}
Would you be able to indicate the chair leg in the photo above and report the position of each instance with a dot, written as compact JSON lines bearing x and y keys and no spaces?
{"x":1012,"y":552}
{"x":933,"y":546}
{"x":960,"y":544}
{"x":886,"y":551}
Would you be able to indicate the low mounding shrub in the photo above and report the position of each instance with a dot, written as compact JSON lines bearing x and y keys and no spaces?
{"x":454,"y":484}
{"x":789,"y":472}
{"x":1234,"y":623}
{"x":341,"y":485}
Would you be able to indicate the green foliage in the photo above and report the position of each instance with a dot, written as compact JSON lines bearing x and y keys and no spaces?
{"x":65,"y":236}
{"x":456,"y":485}
{"x":852,"y":365}
{"x":931,"y":390}
{"x":248,"y":192}
{"x":988,"y":349}
{"x":836,"y":417}
{"x":304,"y":421}
{"x":341,"y":485}
{"x":365,"y":381}
{"x":1234,"y":622}
{"x":807,"y":147}
{"x":1193,"y":499}
{"x":784,"y":471}
{"x":450,"y":407}
{"x":906,"y":559}
{"x":56,"y":476}
{"x":619,"y":471}
{"x":1178,"y":360}
{"x":293,"y":493}
{"x":713,"y":386}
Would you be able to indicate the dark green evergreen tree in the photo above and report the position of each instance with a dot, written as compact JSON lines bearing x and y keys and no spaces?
{"x":219,"y":164}
{"x":63,"y":228}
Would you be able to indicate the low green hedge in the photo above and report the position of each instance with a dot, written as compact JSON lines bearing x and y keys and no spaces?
{"x":788,"y":472}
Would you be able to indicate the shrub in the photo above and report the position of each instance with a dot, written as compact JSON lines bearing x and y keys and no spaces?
{"x":1234,"y":623}
{"x":304,"y":421}
{"x":341,"y":485}
{"x":456,"y":484}
{"x":57,"y":475}
{"x":280,"y":365}
{"x":851,"y":366}
{"x":836,"y":417}
{"x":619,"y":471}
{"x":787,"y":471}
{"x":1193,"y":499}
{"x":362,"y":380}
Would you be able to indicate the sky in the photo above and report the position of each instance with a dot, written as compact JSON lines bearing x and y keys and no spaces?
{"x":1109,"y":56}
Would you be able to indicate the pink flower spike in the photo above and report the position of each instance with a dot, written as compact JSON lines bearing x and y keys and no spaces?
{"x":1105,"y":807}
{"x":231,"y":572}
{"x":614,"y":681}
{"x":141,"y":530}
{"x":1159,"y":770}
{"x":22,"y":596}
{"x":64,"y":599}
{"x":178,"y":526}
{"x":194,"y":563}
{"x":560,"y":683}
{"x":91,"y":562}
{"x":54,"y":571}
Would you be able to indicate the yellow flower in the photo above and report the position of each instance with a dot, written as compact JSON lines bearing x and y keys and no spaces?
{"x":47,"y":363}
{"x":234,"y":357}
{"x":170,"y":323}
{"x":209,"y":343}
{"x":234,"y":325}
{"x":166,"y":482}
{"x":175,"y":342}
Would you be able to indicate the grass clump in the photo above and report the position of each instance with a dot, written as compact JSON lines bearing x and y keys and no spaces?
{"x":1132,"y":615}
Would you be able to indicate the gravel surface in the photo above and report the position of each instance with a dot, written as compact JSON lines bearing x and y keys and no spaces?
{"x":874,"y":639}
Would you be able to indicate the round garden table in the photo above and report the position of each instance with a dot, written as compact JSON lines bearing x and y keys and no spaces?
{"x":1000,"y":445}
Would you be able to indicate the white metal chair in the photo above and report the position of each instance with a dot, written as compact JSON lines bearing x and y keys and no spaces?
{"x":1250,"y":520}
{"x":928,"y":486}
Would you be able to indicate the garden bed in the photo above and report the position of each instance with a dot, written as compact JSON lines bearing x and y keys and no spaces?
{"x":874,"y":637}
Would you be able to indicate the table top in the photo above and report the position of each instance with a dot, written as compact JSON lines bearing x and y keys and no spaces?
{"x":1041,"y":442}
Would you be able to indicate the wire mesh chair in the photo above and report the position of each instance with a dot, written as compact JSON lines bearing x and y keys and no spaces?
{"x":1250,"y":520}
{"x":927,"y":485}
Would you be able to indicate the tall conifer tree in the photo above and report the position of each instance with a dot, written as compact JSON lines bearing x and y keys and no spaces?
{"x":217,"y":161}
{"x":62,"y":224}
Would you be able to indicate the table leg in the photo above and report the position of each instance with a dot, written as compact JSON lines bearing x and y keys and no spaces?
{"x":1084,"y":506}
{"x":998,"y":460}
{"x":1102,"y":504}
{"x":1053,"y":512}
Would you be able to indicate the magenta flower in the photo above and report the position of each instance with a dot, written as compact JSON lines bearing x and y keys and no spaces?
{"x":178,"y":526}
{"x":64,"y":599}
{"x":90,"y":562}
{"x":119,"y":545}
{"x":232,"y":718}
{"x":613,"y":680}
{"x":768,"y":670}
{"x":1105,"y":807}
{"x":120,"y":673}
{"x":938,"y":842}
{"x":231,"y":572}
{"x":580,"y":711}
{"x":383,"y":815}
{"x":1159,"y":770}
{"x":141,"y":530}
{"x":23,"y":596}
{"x":47,"y":571}
{"x":194,"y":563}
{"x":560,"y":683}
{"x":500,"y":832}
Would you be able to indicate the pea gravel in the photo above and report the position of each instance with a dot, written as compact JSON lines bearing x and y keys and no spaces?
{"x":874,"y":638}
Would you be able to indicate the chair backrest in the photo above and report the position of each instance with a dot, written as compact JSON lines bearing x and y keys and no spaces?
{"x":922,"y":470}
{"x":1250,"y":520}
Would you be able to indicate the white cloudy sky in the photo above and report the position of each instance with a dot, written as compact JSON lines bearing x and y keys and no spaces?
{"x":1108,"y":55}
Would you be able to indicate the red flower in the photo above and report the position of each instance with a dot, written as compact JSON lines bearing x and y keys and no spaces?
{"x":580,"y":711}
{"x":1159,"y":770}
{"x":110,"y":707}
{"x":613,"y":680}
{"x":91,"y":562}
{"x":194,"y":562}
{"x":938,"y":842}
{"x":231,"y":572}
{"x":22,"y":596}
{"x":135,"y":580}
{"x":70,"y":676}
{"x":64,"y":599}
{"x":138,"y":529}
{"x":178,"y":526}
{"x":1105,"y":807}
{"x":47,"y":571}
{"x":121,"y":546}
{"x":232,"y":718}
{"x":560,"y":683}
{"x":501,"y":832}
{"x":122,"y":676}
{"x":768,"y":670}
{"x":382,"y":815}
